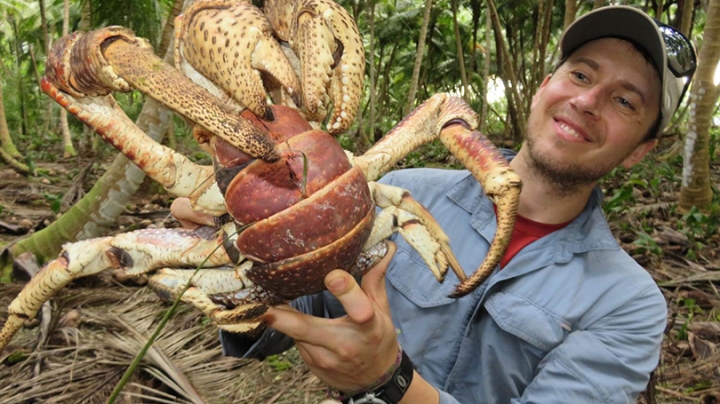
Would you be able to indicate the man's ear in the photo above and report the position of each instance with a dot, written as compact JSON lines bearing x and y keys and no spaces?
{"x":639,"y":153}
{"x":542,"y":85}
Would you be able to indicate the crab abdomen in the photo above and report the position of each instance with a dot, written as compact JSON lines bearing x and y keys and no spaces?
{"x":302,"y":216}
{"x":326,"y":216}
{"x":309,"y":162}
{"x":304,"y":274}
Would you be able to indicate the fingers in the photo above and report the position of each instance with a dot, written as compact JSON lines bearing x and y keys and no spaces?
{"x":360,"y":303}
{"x":373,"y":282}
{"x":356,"y":303}
{"x":292,"y":323}
{"x":191,"y":219}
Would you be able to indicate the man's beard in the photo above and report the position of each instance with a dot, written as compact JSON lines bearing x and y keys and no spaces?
{"x":565,"y":178}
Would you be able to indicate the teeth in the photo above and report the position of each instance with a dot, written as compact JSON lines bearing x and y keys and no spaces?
{"x":569,"y":130}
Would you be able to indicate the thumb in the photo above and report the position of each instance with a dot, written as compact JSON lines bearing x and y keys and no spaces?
{"x":373,"y":282}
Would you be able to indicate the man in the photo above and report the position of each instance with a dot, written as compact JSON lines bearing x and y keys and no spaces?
{"x":568,"y":317}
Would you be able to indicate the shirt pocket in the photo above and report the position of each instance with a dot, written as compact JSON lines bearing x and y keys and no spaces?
{"x":426,"y":319}
{"x":527,"y":321}
{"x":417,"y":284}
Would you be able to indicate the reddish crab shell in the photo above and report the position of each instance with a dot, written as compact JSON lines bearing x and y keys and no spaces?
{"x":302,"y":216}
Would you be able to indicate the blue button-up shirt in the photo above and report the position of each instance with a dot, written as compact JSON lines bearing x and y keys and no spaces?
{"x":570,"y":319}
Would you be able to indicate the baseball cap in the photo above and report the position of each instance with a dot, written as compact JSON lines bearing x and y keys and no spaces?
{"x":673,"y":54}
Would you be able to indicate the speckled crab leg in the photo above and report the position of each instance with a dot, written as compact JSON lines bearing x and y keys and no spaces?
{"x":175,"y":172}
{"x":452,"y":120}
{"x":231,"y":42}
{"x":137,"y":253}
{"x":114,"y":59}
{"x":327,"y":41}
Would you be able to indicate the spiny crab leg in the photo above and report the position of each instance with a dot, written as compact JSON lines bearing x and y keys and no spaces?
{"x":137,"y":253}
{"x":327,"y":41}
{"x":417,"y":226}
{"x":231,"y":42}
{"x":435,"y":118}
{"x":174,"y":171}
{"x":114,"y":59}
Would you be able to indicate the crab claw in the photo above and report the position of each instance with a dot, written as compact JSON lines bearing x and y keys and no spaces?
{"x":327,"y":41}
{"x":114,"y":59}
{"x":231,"y":43}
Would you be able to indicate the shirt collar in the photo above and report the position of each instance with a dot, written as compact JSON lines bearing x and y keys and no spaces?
{"x":582,"y":233}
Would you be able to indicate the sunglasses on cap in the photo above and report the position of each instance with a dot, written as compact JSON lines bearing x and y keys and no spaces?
{"x":680,"y":54}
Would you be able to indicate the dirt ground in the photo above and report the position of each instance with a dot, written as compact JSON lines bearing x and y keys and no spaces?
{"x":95,"y":326}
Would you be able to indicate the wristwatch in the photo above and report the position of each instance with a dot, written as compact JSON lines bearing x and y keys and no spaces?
{"x":392,"y":391}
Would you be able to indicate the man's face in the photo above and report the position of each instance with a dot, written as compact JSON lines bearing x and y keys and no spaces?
{"x":593,"y":114}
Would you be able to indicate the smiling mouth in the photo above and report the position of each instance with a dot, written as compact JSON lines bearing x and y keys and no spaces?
{"x":570,"y":130}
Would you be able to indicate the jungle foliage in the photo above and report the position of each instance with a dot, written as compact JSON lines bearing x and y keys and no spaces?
{"x":493,"y":53}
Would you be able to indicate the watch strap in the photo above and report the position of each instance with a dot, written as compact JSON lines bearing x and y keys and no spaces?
{"x":392,"y":391}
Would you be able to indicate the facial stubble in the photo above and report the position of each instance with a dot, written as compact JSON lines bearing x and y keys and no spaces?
{"x":566,"y":178}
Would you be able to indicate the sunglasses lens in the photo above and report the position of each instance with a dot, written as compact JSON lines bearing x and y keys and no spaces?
{"x":680,"y":54}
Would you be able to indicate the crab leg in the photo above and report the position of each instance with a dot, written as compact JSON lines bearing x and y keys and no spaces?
{"x":326,"y":39}
{"x":137,"y":253}
{"x":113,"y":59}
{"x":175,"y":172}
{"x":445,"y":117}
{"x":417,"y":226}
{"x":204,"y":294}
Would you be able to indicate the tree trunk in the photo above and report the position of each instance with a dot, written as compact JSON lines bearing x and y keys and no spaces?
{"x":384,"y":103}
{"x":688,"y":10}
{"x":475,"y":7}
{"x":169,"y":27}
{"x":418,"y":58}
{"x":571,"y":7}
{"x":460,"y":57}
{"x":696,"y":183}
{"x":86,"y":22}
{"x":486,"y":73}
{"x":68,"y":148}
{"x":21,"y":85}
{"x":540,"y":44}
{"x":8,"y":152}
{"x":515,"y":104}
{"x":47,"y":40}
{"x":101,"y":206}
{"x":7,"y":143}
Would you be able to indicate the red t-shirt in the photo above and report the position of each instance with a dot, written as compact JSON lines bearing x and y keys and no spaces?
{"x":526,"y":231}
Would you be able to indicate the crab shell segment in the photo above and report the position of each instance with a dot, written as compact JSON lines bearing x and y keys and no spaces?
{"x":306,"y":214}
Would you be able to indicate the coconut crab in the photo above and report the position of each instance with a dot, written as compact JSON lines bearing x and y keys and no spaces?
{"x":290,"y":204}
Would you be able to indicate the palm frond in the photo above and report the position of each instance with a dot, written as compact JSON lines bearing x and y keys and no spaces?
{"x":185,"y":365}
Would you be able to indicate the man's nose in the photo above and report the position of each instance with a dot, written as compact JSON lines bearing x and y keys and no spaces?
{"x":588,"y":101}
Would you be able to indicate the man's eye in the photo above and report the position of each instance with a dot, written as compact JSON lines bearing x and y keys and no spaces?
{"x":625,"y":103}
{"x":580,"y":76}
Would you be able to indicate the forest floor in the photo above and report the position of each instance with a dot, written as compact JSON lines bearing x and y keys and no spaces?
{"x":96,"y":325}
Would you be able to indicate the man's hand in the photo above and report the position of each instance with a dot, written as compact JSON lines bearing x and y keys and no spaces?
{"x":351,"y":352}
{"x":189,"y":218}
